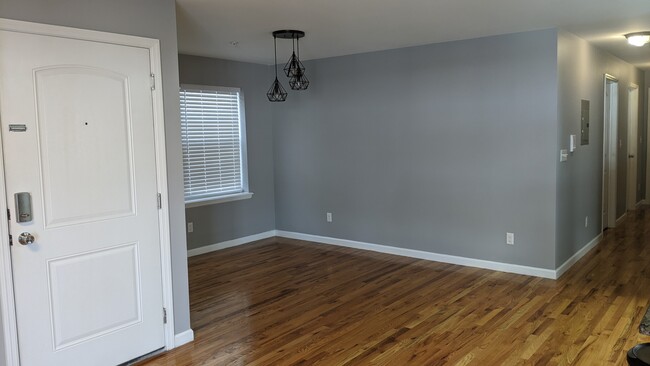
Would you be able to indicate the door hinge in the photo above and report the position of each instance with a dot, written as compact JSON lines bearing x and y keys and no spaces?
{"x":8,"y":215}
{"x":153,"y":81}
{"x":159,"y":201}
{"x":11,"y":240}
{"x":164,"y":315}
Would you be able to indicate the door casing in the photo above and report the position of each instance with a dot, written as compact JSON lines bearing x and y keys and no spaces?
{"x":7,"y":305}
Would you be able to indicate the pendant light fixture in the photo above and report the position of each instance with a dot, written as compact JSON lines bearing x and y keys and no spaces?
{"x":299,"y":81}
{"x":276,"y":92}
{"x":294,"y":69}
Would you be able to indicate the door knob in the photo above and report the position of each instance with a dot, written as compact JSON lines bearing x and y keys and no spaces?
{"x":26,"y":238}
{"x":630,"y":156}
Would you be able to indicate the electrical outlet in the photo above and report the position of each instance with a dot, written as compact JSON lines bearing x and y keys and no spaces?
{"x":329,"y":217}
{"x":190,"y":227}
{"x":510,"y":238}
{"x":586,"y":221}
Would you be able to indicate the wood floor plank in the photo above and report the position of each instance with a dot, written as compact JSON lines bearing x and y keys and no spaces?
{"x":289,"y":302}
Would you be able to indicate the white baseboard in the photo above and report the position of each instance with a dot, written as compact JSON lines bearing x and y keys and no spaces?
{"x":621,"y":219}
{"x":183,"y":338}
{"x":230,"y":243}
{"x":579,"y":254}
{"x":412,"y":253}
{"x":445,"y":258}
{"x":640,"y":203}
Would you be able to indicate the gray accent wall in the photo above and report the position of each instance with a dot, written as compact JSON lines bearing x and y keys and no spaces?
{"x":441,"y":148}
{"x":231,"y":220}
{"x":581,"y":70}
{"x":147,"y":18}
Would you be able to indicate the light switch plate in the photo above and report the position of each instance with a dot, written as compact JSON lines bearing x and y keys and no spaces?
{"x":564,"y":155}
{"x":572,"y":143}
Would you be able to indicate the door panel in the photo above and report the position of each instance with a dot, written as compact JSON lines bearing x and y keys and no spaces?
{"x":64,"y":282}
{"x":88,"y":291}
{"x":74,"y":133}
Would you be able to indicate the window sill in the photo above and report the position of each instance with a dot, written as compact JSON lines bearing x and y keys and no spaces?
{"x":222,"y":199}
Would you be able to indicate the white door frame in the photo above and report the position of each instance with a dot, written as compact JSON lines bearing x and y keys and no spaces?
{"x":7,"y":304}
{"x":632,"y":140}
{"x":610,"y":144}
{"x":647,"y":161}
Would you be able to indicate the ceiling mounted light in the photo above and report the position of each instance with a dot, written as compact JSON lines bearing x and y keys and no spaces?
{"x":276,"y":92}
{"x":294,"y":69}
{"x":299,"y":81}
{"x":638,"y":39}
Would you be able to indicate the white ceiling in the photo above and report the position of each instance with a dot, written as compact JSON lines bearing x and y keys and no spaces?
{"x":342,"y":27}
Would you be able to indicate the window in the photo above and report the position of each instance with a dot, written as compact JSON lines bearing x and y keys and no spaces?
{"x":214,"y":144}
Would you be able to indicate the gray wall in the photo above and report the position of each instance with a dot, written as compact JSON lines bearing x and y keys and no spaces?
{"x":231,"y":220}
{"x":3,"y":361}
{"x":440,"y":148}
{"x":581,"y":69}
{"x":148,"y":18}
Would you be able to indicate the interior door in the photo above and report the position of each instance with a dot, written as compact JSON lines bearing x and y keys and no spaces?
{"x":606,"y":159}
{"x":78,"y":141}
{"x":610,"y":146}
{"x":632,"y":131}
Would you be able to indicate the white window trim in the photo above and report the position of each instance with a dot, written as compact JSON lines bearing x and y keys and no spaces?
{"x":246,"y":193}
{"x":221,"y":199}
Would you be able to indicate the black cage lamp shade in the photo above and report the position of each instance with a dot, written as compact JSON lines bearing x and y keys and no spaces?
{"x":276,"y":92}
{"x":299,"y":81}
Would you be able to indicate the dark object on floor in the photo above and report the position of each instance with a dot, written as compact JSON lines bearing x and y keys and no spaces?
{"x":644,"y":327}
{"x":639,"y":355}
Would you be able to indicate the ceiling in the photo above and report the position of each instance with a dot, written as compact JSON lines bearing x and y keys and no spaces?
{"x":241,"y":29}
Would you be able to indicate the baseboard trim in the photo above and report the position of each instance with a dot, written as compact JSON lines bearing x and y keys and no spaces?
{"x":445,"y":258}
{"x":640,"y":203}
{"x":579,"y":254}
{"x":230,"y":243}
{"x":621,"y":219}
{"x":412,"y":253}
{"x":183,"y":338}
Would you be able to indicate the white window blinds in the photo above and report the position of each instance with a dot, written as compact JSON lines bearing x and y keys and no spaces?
{"x":212,"y":141}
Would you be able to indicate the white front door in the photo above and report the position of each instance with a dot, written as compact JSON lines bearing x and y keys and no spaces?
{"x":78,"y":138}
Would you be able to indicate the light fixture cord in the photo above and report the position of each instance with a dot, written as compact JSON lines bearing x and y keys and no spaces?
{"x":275,"y":53}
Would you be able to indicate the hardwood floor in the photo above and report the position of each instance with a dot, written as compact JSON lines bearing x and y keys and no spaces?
{"x":286,"y":302}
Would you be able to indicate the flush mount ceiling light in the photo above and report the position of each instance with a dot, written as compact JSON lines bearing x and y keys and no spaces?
{"x":638,"y":39}
{"x":294,"y":69}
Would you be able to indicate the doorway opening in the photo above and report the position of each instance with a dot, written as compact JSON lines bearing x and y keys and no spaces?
{"x":610,"y":143}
